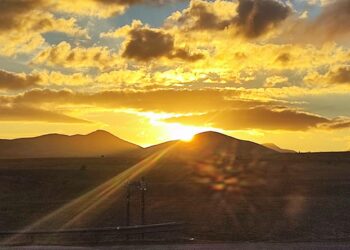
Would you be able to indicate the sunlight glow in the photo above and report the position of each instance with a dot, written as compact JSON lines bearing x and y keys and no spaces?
{"x":184,"y":133}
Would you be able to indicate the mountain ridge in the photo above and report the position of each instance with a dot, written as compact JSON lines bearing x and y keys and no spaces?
{"x":95,"y":144}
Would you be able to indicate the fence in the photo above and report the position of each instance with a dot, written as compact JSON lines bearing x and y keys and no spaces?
{"x":92,"y":235}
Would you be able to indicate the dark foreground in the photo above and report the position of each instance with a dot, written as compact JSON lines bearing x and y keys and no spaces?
{"x":241,"y":246}
{"x":299,"y":198}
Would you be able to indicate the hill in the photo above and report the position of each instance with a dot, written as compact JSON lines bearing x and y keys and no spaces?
{"x":94,"y":144}
{"x":277,"y":148}
{"x":223,"y":188}
{"x":211,"y":144}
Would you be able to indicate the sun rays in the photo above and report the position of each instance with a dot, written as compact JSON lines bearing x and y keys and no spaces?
{"x":82,"y":207}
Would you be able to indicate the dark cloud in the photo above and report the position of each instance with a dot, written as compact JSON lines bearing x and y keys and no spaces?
{"x":13,"y":81}
{"x":145,"y":44}
{"x":283,"y":58}
{"x":335,"y":75}
{"x":185,"y":55}
{"x":255,"y":118}
{"x":254,"y":17}
{"x":342,"y":123}
{"x":25,"y":113}
{"x":12,"y":10}
{"x":341,"y":75}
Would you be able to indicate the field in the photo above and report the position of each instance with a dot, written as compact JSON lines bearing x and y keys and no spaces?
{"x":298,"y":197}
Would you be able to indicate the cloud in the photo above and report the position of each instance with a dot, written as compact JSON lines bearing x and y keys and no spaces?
{"x":331,"y":24}
{"x":336,"y":75}
{"x":99,"y":8}
{"x":16,"y":81}
{"x":204,"y":15}
{"x":64,"y":55}
{"x":162,"y":100}
{"x":250,"y":18}
{"x":257,"y":17}
{"x":260,"y":118}
{"x":334,"y":21}
{"x":22,"y":24}
{"x":223,"y":109}
{"x":340,"y":75}
{"x":58,"y":78}
{"x":339,"y":123}
{"x":11,"y":12}
{"x":144,"y":43}
{"x":25,"y":113}
{"x":273,"y":81}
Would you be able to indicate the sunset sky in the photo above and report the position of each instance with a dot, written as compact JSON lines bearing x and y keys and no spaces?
{"x":270,"y":71}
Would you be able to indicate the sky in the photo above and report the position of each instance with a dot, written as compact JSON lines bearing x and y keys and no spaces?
{"x":148,"y":71}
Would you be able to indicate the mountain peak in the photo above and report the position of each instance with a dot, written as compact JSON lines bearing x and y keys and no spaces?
{"x":277,"y":148}
{"x":95,"y":144}
{"x":101,"y":132}
{"x":212,"y":135}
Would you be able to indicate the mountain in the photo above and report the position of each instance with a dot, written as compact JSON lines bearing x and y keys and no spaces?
{"x":203,"y":145}
{"x":224,"y":189}
{"x":277,"y":148}
{"x":211,"y":144}
{"x":94,"y":144}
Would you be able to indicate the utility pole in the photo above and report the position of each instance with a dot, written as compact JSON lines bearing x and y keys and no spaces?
{"x":143,"y":189}
{"x":128,"y":204}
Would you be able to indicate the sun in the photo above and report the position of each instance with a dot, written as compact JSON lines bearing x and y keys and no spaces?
{"x":183,"y":133}
{"x":186,"y":137}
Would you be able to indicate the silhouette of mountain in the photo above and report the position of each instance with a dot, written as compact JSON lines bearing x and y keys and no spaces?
{"x":95,"y":144}
{"x":277,"y":148}
{"x":220,"y":189}
{"x":209,"y":144}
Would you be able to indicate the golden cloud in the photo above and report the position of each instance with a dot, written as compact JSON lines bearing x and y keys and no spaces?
{"x":262,"y":118}
{"x":23,"y":22}
{"x":223,"y":109}
{"x":162,"y":100}
{"x":16,"y":81}
{"x":335,"y":75}
{"x":273,"y":81}
{"x":58,"y":78}
{"x":64,"y":55}
{"x":25,"y":113}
